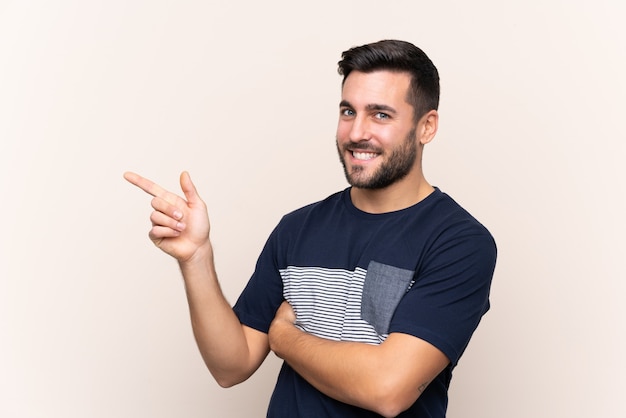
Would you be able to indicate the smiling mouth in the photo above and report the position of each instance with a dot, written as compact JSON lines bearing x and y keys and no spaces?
{"x":363,"y":156}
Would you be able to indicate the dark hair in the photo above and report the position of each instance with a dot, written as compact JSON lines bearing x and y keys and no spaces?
{"x":399,"y":56}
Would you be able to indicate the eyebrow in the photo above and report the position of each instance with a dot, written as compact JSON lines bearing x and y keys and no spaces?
{"x":370,"y":107}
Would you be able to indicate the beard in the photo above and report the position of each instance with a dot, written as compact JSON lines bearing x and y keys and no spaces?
{"x":397,"y":165}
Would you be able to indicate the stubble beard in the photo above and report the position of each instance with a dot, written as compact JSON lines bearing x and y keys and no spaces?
{"x":396,"y":167}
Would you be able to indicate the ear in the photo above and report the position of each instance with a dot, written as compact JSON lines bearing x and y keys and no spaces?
{"x":427,"y":127}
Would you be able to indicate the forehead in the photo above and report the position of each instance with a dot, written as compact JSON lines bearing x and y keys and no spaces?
{"x":384,"y":87}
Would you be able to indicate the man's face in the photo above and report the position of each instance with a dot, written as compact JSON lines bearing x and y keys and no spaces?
{"x":376,"y":131}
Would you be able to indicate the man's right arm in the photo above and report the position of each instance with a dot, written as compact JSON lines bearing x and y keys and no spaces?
{"x":231,"y":351}
{"x":180,"y":227}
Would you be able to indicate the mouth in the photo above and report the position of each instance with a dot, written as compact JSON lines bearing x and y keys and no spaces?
{"x":363,"y":155}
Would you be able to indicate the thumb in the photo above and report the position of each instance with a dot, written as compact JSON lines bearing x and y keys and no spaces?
{"x":189,"y":189}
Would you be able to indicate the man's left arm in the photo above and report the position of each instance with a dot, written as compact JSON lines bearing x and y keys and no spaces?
{"x":386,"y":378}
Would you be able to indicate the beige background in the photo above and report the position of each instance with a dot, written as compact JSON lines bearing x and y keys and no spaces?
{"x":244,"y":94}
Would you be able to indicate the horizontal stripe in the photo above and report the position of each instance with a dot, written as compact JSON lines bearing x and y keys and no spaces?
{"x":327,"y":302}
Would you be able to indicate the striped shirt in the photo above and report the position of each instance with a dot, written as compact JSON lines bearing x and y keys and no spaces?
{"x":424,"y":271}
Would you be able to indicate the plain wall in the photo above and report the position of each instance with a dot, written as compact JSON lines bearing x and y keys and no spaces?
{"x":244,"y":95}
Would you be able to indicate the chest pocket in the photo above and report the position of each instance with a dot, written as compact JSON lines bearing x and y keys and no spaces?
{"x":383,"y":288}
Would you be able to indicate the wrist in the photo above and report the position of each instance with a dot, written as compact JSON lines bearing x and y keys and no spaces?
{"x":200,"y":260}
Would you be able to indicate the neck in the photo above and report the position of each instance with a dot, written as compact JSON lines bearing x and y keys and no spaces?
{"x":397,"y":196}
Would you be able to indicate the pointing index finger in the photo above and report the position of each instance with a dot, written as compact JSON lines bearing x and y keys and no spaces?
{"x":144,"y":184}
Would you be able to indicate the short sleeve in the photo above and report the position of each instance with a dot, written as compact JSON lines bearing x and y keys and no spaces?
{"x":450,"y":293}
{"x":260,"y":299}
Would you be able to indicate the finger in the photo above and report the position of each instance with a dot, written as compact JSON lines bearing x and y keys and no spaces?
{"x":160,"y":232}
{"x":168,"y":208}
{"x":160,"y":219}
{"x":145,"y":184}
{"x":284,"y":310}
{"x":188,"y":188}
{"x":290,"y":312}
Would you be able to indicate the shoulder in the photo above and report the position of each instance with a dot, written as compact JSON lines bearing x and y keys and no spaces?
{"x":451,"y":218}
{"x":329,"y":205}
{"x":447,"y":231}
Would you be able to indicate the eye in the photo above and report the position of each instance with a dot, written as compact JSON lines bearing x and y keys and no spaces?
{"x":381,"y":115}
{"x":346,"y":112}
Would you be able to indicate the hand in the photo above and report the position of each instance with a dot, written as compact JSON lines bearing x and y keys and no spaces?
{"x":285,"y":317}
{"x":180,"y":227}
{"x":285,"y":313}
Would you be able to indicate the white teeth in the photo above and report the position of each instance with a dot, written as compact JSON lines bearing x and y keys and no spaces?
{"x":363,"y":155}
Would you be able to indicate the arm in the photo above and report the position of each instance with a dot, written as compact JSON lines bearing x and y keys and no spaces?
{"x":387,"y":378}
{"x":180,"y":227}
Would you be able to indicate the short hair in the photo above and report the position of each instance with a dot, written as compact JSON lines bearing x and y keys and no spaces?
{"x":397,"y":56}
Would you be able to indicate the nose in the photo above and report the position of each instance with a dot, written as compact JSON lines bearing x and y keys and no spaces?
{"x":359,"y":130}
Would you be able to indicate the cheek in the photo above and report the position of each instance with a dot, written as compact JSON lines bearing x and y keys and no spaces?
{"x":343,"y":131}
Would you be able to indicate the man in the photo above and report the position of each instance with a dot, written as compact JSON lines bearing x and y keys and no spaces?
{"x":371,"y":295}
